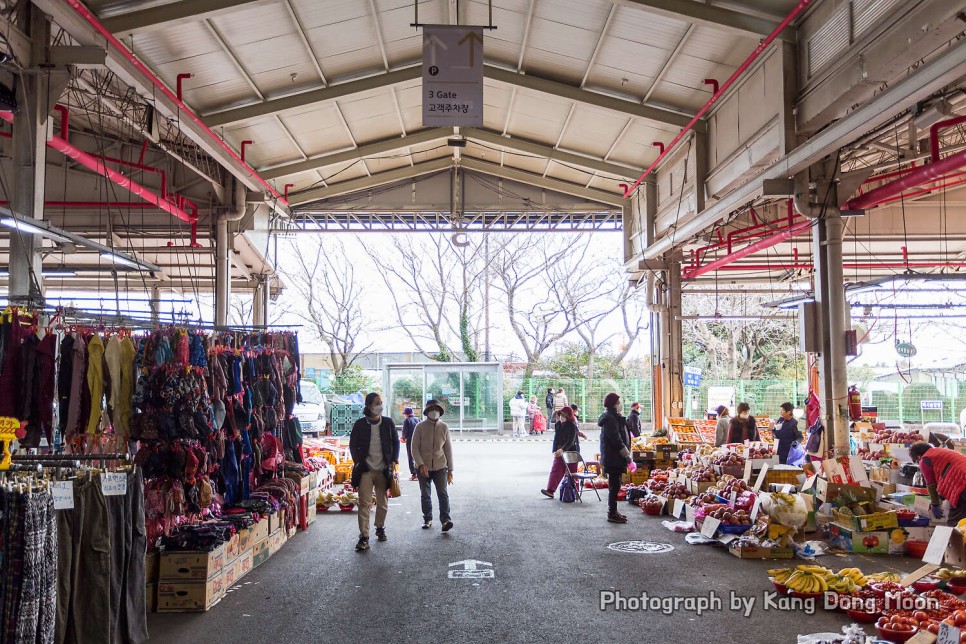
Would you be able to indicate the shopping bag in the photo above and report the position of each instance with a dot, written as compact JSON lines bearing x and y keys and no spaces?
{"x":568,"y":492}
{"x":796,"y":454}
{"x":394,"y":489}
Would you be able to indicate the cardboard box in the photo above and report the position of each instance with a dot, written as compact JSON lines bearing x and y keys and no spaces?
{"x":260,"y":553}
{"x":246,"y":538}
{"x":274,"y":522}
{"x":312,"y":514}
{"x":826,"y":491}
{"x":192,"y":565}
{"x":188,"y":596}
{"x":152,"y":564}
{"x":758,"y":552}
{"x":237,"y":569}
{"x":867,"y":522}
{"x":851,"y":540}
{"x":699,"y":488}
{"x":275,"y":541}
{"x":231,"y":549}
{"x":151,"y":596}
{"x":260,"y":530}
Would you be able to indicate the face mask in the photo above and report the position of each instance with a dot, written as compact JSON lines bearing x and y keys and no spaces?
{"x":744,"y":414}
{"x":377,"y":410}
{"x":433,"y":415}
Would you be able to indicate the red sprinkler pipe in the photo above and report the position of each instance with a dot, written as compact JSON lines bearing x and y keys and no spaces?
{"x":925,"y":174}
{"x":659,"y":146}
{"x":934,"y":134}
{"x":181,"y":78}
{"x":750,"y":249}
{"x":64,"y":121}
{"x":140,"y":166}
{"x":713,"y":83}
{"x":287,"y":186}
{"x":92,"y":204}
{"x":846,"y":265}
{"x":800,"y":7}
{"x":112,"y":41}
{"x":244,"y":144}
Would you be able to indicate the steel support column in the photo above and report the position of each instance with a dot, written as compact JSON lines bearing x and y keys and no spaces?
{"x":30,"y":166}
{"x":222,"y":272}
{"x":674,"y":358}
{"x":260,"y":302}
{"x":155,"y":305}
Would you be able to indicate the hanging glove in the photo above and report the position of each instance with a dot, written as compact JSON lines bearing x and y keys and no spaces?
{"x":937,"y":511}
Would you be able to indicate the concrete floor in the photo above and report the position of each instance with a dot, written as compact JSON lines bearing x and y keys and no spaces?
{"x":550,"y":562}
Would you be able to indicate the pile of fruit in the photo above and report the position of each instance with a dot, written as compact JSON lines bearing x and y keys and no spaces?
{"x":727,"y":516}
{"x":729,"y":460}
{"x":707,"y":498}
{"x":946,"y":574}
{"x":895,"y":436}
{"x":869,"y":455}
{"x":703,"y":475}
{"x":845,"y":581}
{"x":651,"y":505}
{"x":676,"y":491}
{"x":760,"y":452}
{"x":803,"y":579}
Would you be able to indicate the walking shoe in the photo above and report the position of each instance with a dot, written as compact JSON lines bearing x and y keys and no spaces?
{"x":616,"y":518}
{"x":426,"y":524}
{"x":447,"y":526}
{"x":381,"y":534}
{"x":547,"y":493}
{"x":363,"y":544}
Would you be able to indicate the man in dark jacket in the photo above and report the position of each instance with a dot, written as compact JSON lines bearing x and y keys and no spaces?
{"x":374,"y":446}
{"x":409,"y":426}
{"x":786,"y":432}
{"x":548,"y":402}
{"x":634,"y":421}
{"x":615,"y":452}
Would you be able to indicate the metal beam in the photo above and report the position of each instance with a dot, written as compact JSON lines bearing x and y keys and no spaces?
{"x":526,"y":81}
{"x":171,"y":14}
{"x":701,"y":13}
{"x":540,"y":149}
{"x":378,"y":179}
{"x":927,"y":79}
{"x":565,"y":187}
{"x":363,"y":151}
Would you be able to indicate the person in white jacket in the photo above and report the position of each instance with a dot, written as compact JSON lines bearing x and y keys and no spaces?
{"x":518,"y":412}
{"x":433,"y":455}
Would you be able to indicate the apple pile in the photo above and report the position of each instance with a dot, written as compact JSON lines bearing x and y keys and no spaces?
{"x":677,"y":491}
{"x":704,"y":499}
{"x":657,"y":486}
{"x":899,"y":624}
{"x":729,"y":460}
{"x":652,"y":504}
{"x":705,"y":475}
{"x":894,"y":436}
{"x":868,"y":455}
{"x":729,"y":516}
{"x":760,"y":452}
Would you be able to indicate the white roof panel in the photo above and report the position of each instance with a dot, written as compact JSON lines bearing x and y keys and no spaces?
{"x":313,"y":13}
{"x":272,"y":20}
{"x":592,"y":130}
{"x":638,"y":25}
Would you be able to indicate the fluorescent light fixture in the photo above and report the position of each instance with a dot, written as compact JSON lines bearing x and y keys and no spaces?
{"x":32,"y":228}
{"x":792,"y":302}
{"x":121,"y":260}
{"x":56,"y":272}
{"x":886,"y":282}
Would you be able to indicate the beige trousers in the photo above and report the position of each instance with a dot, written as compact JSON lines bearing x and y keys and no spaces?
{"x":372,"y":480}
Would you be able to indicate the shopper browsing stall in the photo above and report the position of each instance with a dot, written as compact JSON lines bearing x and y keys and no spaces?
{"x":721,"y":427}
{"x":634,"y":420}
{"x":615,"y":452}
{"x":374,"y":446}
{"x":743,"y":427}
{"x":518,"y":412}
{"x":945,"y":474}
{"x":786,"y":432}
{"x":433,"y":453}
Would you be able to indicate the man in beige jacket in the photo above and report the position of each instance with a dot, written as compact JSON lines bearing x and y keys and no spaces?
{"x":433,"y":455}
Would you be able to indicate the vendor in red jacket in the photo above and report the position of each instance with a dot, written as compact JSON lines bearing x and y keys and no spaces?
{"x":945,"y":474}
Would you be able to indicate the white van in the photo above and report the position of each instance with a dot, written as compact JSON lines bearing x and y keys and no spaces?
{"x":311,"y":412}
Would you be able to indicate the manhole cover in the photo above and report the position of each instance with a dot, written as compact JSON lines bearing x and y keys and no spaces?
{"x":641,"y":547}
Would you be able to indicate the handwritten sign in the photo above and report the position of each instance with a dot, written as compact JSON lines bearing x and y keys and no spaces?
{"x":114,"y":484}
{"x":948,"y":634}
{"x":747,"y":476}
{"x":689,"y":512}
{"x":756,"y":508}
{"x":710,"y":526}
{"x":63,"y":492}
{"x":761,"y":478}
{"x":936,"y":550}
{"x":678,"y":509}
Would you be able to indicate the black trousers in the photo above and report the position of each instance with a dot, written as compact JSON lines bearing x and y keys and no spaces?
{"x":613,"y":487}
{"x":409,"y":453}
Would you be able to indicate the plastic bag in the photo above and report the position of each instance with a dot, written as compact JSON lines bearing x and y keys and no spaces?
{"x":810,"y":549}
{"x":796,"y":454}
{"x":793,"y":515}
{"x":678,"y":526}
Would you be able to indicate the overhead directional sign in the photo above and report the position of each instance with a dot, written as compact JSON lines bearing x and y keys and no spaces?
{"x":692,"y":377}
{"x":452,"y":76}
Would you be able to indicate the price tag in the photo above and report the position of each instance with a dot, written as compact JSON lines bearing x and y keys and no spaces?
{"x":689,"y":513}
{"x":948,"y":634}
{"x":678,"y":508}
{"x":734,"y":498}
{"x":756,"y":508}
{"x":922,"y":637}
{"x":809,"y":483}
{"x":761,"y":478}
{"x":936,"y":550}
{"x":747,"y":476}
{"x":786,"y":489}
{"x":63,"y":495}
{"x":710,"y":526}
{"x":114,"y":484}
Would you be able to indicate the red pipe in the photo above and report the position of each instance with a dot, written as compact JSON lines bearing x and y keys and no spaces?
{"x":934,"y":134}
{"x":244,"y":144}
{"x":94,"y":164}
{"x":140,"y":166}
{"x":713,"y":83}
{"x":802,"y":4}
{"x":181,"y":77}
{"x":144,"y":148}
{"x":64,"y":121}
{"x":112,"y":41}
{"x":92,"y":204}
{"x":926,"y":191}
{"x":745,"y":251}
{"x":925,"y":174}
{"x":287,"y":186}
{"x":849,"y":265}
{"x":659,"y":146}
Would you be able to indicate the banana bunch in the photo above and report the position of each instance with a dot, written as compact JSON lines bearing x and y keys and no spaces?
{"x":885,"y":576}
{"x":803,"y":581}
{"x":947,"y":574}
{"x":855,"y":575}
{"x":841,"y":585}
{"x":780,"y":575}
{"x":788,"y":499}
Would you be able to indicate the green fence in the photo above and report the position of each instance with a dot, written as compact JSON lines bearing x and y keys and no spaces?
{"x":588,"y":395}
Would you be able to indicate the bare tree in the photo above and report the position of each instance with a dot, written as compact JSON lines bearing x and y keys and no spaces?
{"x":536,"y":314}
{"x":331,"y":298}
{"x":634,"y":316}
{"x":435,"y":287}
{"x":241,"y":310}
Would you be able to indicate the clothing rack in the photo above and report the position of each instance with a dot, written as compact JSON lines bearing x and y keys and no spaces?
{"x":71,"y":457}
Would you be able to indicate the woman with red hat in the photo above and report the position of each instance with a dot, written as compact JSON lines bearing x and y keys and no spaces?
{"x":615,"y":452}
{"x":564,"y":440}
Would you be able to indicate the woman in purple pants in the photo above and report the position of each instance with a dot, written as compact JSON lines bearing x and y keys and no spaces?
{"x":564,"y":440}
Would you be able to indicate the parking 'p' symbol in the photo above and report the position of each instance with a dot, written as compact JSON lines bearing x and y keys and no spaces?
{"x":433,"y":70}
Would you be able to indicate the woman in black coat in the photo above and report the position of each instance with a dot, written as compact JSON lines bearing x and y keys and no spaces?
{"x":564,"y":440}
{"x":743,"y":427}
{"x":615,"y":452}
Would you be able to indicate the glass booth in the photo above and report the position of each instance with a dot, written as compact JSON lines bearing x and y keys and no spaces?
{"x":471,"y":393}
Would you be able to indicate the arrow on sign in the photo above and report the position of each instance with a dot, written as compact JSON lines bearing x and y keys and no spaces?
{"x":470,"y":564}
{"x":433,"y":43}
{"x":474,"y":38}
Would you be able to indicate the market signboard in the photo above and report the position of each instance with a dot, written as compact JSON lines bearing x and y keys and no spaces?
{"x":692,"y":377}
{"x":452,"y":76}
{"x":931,"y":405}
